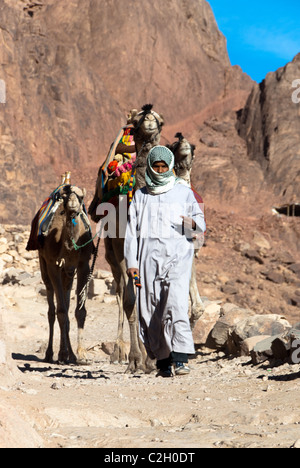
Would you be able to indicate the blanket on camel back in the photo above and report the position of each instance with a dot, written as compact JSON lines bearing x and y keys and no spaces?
{"x":43,"y":219}
{"x":118,"y":170}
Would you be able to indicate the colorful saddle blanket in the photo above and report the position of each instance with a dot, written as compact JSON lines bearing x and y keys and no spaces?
{"x":121,"y":180}
{"x":42,"y":219}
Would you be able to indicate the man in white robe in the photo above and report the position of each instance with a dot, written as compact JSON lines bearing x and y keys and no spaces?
{"x":164,"y":217}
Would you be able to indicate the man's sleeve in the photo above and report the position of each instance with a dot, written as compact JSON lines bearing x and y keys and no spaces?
{"x":197,"y":214}
{"x":131,"y":241}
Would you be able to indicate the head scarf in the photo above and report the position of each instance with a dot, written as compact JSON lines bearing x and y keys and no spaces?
{"x":160,"y":183}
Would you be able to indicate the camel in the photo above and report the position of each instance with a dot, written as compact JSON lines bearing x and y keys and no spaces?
{"x":184,"y":156}
{"x":147,"y":129}
{"x":59,"y":261}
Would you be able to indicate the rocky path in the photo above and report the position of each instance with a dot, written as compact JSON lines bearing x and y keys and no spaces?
{"x":223,"y":403}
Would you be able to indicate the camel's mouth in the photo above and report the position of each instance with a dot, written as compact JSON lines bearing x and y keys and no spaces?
{"x":185,"y":150}
{"x":73,"y":207}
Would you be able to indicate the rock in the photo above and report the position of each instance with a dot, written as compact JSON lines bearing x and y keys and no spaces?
{"x":295,"y":268}
{"x":7,"y":258}
{"x":108,"y":347}
{"x":260,"y":241}
{"x":269,"y":325}
{"x":11,"y":275}
{"x":31,"y":281}
{"x":253,"y":254}
{"x":249,"y":344}
{"x":97,"y":288}
{"x":262,"y":351}
{"x":230,"y":288}
{"x":280,"y":347}
{"x":206,"y":323}
{"x":275,"y":277}
{"x":3,"y":248}
{"x":285,"y":257}
{"x":231,"y":315}
{"x":269,"y":123}
{"x":242,"y":247}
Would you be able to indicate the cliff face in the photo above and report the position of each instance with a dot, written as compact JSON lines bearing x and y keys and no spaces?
{"x":73,"y":68}
{"x":270,"y":124}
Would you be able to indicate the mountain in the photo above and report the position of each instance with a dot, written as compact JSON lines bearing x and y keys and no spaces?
{"x":270,"y":124}
{"x":74,"y":68}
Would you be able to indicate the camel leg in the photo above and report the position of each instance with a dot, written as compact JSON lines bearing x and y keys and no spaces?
{"x":111,"y":255}
{"x":51,"y":308}
{"x":80,"y":312}
{"x":119,"y":354}
{"x":65,"y":352}
{"x":137,"y":354}
{"x":197,"y":304}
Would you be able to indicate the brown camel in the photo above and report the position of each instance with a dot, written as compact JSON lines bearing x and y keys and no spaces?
{"x":147,"y":129}
{"x":59,"y":261}
{"x":184,"y":156}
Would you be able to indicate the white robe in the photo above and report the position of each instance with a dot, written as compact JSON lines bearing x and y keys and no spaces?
{"x":155,"y":244}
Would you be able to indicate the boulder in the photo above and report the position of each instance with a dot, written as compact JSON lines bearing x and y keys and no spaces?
{"x":270,"y":324}
{"x":249,"y":344}
{"x":231,"y":315}
{"x":253,"y":254}
{"x":256,"y":325}
{"x":283,"y":347}
{"x":206,"y":323}
{"x":262,"y":351}
{"x":275,"y":277}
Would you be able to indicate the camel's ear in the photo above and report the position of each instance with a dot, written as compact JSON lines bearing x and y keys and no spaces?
{"x":83,"y":192}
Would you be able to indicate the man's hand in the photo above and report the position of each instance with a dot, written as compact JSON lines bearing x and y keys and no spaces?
{"x":132,"y":272}
{"x":188,"y":223}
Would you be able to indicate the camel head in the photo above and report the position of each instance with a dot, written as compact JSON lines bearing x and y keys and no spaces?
{"x":147,"y":121}
{"x":73,"y":198}
{"x":182,"y":148}
{"x":184,"y":156}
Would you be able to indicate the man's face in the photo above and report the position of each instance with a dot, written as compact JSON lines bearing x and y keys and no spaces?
{"x":160,"y":167}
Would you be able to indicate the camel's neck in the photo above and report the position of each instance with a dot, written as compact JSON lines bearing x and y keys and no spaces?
{"x":183,"y":167}
{"x":185,"y":174}
{"x":144,"y":143}
{"x":143,"y":140}
{"x":74,"y":229}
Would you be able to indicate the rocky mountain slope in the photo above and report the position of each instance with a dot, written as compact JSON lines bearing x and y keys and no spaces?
{"x":270,"y":123}
{"x":73,"y":69}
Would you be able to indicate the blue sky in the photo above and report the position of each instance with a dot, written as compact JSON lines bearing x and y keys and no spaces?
{"x":262,"y":35}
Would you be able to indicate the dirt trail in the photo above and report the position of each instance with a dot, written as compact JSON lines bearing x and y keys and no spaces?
{"x":223,"y":403}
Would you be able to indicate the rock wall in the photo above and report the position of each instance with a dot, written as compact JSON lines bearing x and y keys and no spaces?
{"x":270,"y":124}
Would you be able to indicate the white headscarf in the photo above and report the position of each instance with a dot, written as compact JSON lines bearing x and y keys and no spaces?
{"x":160,"y":183}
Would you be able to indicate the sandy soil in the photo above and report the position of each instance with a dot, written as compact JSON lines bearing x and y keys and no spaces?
{"x":222,"y":403}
